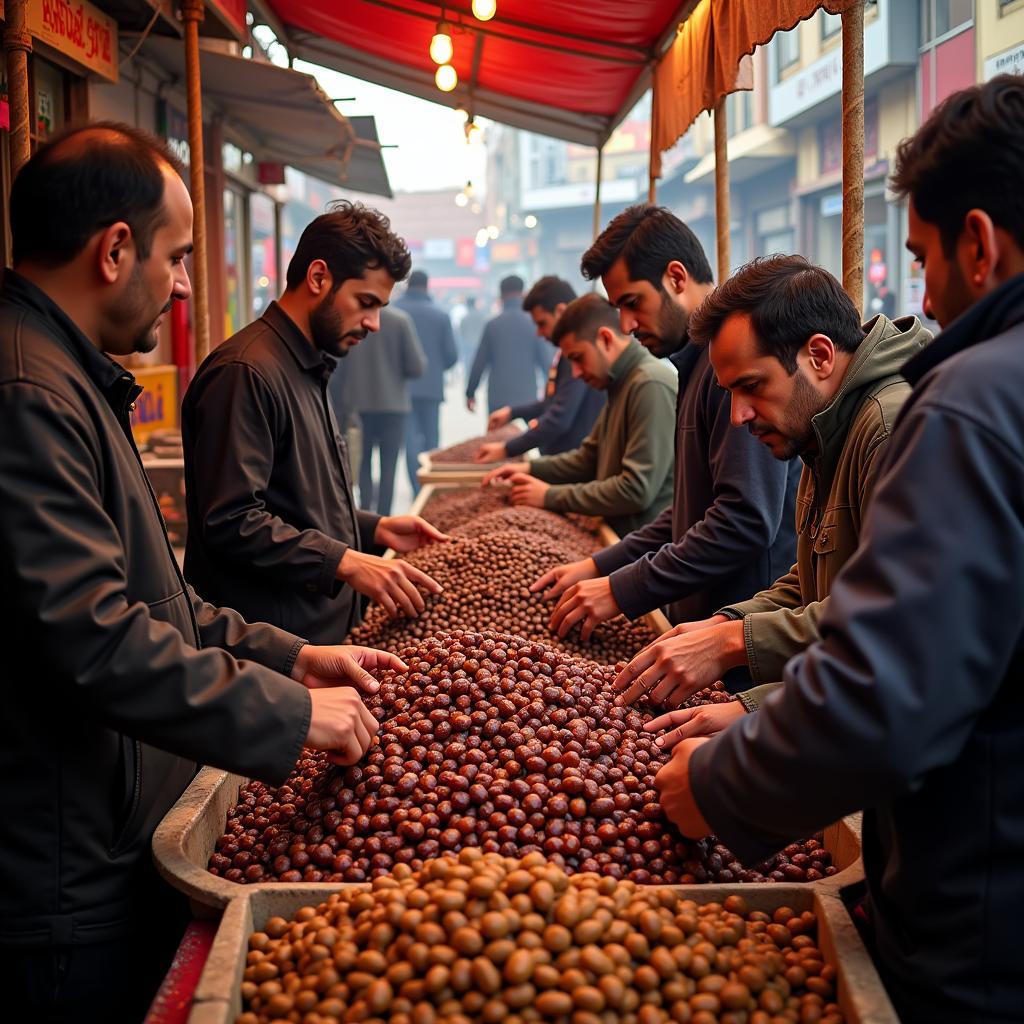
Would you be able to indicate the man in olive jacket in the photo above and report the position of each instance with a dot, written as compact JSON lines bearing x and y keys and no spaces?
{"x":807,"y":380}
{"x":911,"y":704}
{"x":118,"y":678}
{"x":623,"y":470}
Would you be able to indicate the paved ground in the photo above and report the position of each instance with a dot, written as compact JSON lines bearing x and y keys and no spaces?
{"x":457,"y":424}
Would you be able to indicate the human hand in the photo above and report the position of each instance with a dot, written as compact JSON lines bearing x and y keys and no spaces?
{"x":493,"y":451}
{"x":527,"y":490}
{"x":499,"y":417}
{"x":340,"y":724}
{"x":505,"y":473}
{"x":395,"y":585}
{"x":342,"y":665}
{"x":677,"y":800}
{"x":706,"y":720}
{"x":532,"y":424}
{"x":407,"y":533}
{"x":676,"y":667}
{"x":689,"y":627}
{"x":471,"y":404}
{"x":557,"y":581}
{"x":590,"y":602}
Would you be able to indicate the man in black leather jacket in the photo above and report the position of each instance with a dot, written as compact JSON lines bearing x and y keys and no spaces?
{"x":118,"y":678}
{"x":911,"y":705}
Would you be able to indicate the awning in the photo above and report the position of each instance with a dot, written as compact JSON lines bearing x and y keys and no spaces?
{"x":284,"y":117}
{"x":750,"y":153}
{"x":562,"y":68}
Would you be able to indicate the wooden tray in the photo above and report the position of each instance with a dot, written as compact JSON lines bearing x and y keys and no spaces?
{"x":860,"y":992}
{"x":186,"y":837}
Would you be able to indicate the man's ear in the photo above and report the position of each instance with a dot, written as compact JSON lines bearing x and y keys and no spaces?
{"x":980,"y":248}
{"x":318,"y":278}
{"x":675,"y":278}
{"x":821,"y":355}
{"x":115,"y":246}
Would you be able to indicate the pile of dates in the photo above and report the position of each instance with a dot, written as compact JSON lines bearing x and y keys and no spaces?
{"x":451,"y":507}
{"x":488,"y":742}
{"x":486,"y":582}
{"x":465,"y":451}
{"x":508,"y":941}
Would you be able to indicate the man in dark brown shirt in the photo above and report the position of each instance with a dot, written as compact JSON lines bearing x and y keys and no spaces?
{"x":273,"y":527}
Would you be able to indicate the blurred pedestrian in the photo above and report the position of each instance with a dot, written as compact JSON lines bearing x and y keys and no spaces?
{"x":375,"y":387}
{"x":471,"y":328}
{"x":510,"y":354}
{"x":426,"y":393}
{"x":569,"y":409}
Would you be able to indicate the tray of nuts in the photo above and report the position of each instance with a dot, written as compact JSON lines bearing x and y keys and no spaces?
{"x":457,"y":460}
{"x":489,"y":741}
{"x":498,"y":939}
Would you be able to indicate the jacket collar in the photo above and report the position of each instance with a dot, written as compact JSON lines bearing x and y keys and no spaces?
{"x":302,"y":349}
{"x":632,"y":356}
{"x":111,"y":378}
{"x":994,"y":314}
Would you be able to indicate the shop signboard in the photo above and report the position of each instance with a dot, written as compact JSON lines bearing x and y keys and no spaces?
{"x":79,"y":31}
{"x":1009,"y":62}
{"x":157,"y":407}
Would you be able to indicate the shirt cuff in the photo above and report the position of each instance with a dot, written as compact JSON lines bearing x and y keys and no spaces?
{"x":628,"y":591}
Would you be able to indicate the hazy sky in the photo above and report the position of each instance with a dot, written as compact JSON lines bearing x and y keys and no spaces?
{"x":431,"y":150}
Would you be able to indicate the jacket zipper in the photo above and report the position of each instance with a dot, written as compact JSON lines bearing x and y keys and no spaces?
{"x":121,"y":841}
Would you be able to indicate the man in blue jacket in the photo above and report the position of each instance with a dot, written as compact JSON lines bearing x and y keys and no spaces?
{"x":426,"y":393}
{"x":730,"y":530}
{"x":509,"y":354}
{"x":911,"y":705}
{"x":569,"y":409}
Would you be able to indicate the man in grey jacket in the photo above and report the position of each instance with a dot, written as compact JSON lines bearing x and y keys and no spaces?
{"x":373,"y":383}
{"x":426,"y":392}
{"x":911,"y":705}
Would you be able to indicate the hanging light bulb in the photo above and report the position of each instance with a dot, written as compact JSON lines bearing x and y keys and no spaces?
{"x":446,"y":78}
{"x":441,"y":48}
{"x":484,"y":10}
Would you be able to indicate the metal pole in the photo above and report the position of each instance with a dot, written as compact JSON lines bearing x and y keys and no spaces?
{"x":17,"y":47}
{"x":192,"y":13}
{"x":722,"y":187}
{"x":853,"y":152}
{"x":597,"y":193}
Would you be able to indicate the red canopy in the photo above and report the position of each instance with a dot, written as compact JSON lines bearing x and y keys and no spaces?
{"x":564,"y":68}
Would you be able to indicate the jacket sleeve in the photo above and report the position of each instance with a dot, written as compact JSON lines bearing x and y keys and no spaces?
{"x":647,"y":539}
{"x":556,"y":418}
{"x":414,"y":359}
{"x":136,"y":673}
{"x":449,"y":350}
{"x":742,"y":521}
{"x":367,"y":523}
{"x":481,"y":361}
{"x":236,"y":425}
{"x":923,"y":624}
{"x":570,"y":467}
{"x":527,"y":411}
{"x":646,"y":461}
{"x":776,"y":623}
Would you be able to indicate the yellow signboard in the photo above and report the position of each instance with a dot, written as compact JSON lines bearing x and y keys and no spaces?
{"x":78,"y":30}
{"x":157,"y":407}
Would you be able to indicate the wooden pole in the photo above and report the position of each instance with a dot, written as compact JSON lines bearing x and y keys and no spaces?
{"x":722,"y":187}
{"x":597,"y":192}
{"x":17,"y":47}
{"x":192,"y":13}
{"x":652,"y":181}
{"x":853,"y":152}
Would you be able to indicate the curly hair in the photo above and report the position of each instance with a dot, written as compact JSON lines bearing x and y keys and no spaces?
{"x":350,"y":238}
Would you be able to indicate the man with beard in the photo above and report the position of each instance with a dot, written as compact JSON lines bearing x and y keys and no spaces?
{"x":807,"y":380}
{"x":910,"y":706}
{"x":117,"y":677}
{"x":273,"y":528}
{"x":729,"y":531}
